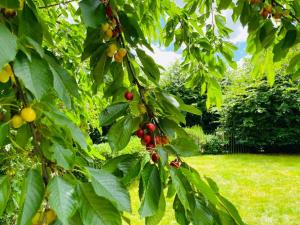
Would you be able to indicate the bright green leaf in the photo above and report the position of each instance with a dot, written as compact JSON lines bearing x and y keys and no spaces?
{"x":31,"y":197}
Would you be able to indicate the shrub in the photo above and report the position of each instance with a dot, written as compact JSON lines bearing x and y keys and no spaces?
{"x":265,"y":117}
{"x":214,"y":145}
{"x":208,"y":143}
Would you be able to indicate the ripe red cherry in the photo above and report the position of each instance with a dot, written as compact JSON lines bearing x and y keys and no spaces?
{"x":151,"y":127}
{"x":150,"y":146}
{"x":147,"y":139}
{"x":175,"y":164}
{"x":109,"y":11}
{"x":155,"y":157}
{"x":128,"y":95}
{"x":157,"y":140}
{"x":140,"y":133}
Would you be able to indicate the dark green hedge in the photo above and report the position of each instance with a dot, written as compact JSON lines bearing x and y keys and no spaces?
{"x":265,"y":117}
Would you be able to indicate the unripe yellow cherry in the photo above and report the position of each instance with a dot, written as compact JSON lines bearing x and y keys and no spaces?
{"x":122,"y":52}
{"x":110,"y":51}
{"x":50,"y":216}
{"x":37,"y":218}
{"x":5,"y":73}
{"x":108,"y":33}
{"x":105,"y":27}
{"x":28,"y":114}
{"x":16,"y":121}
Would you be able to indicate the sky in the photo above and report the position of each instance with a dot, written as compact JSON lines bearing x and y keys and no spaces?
{"x":166,"y":57}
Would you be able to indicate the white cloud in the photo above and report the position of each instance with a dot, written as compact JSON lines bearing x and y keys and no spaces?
{"x":163,"y":57}
{"x":239,"y":33}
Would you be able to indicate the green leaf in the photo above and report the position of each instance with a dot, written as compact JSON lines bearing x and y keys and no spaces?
{"x":64,"y":157}
{"x":30,"y":25}
{"x":93,"y":13}
{"x":11,"y":4}
{"x":201,"y":215}
{"x":289,"y":39}
{"x":188,"y":108}
{"x":267,"y":34}
{"x":36,"y":75}
{"x":4,"y":131}
{"x":178,"y":182}
{"x":61,"y":198}
{"x":120,"y":133}
{"x":64,"y":84}
{"x":4,"y":193}
{"x":108,"y":186}
{"x":23,"y":135}
{"x":98,"y":71}
{"x":294,"y":63}
{"x":150,"y":68}
{"x":31,"y":197}
{"x":180,"y":212}
{"x":185,"y":146}
{"x":96,"y":210}
{"x":8,"y":46}
{"x":129,"y":166}
{"x":156,"y":218}
{"x":151,"y":191}
{"x":224,"y":4}
{"x":231,"y":210}
{"x":194,"y":178}
{"x":113,"y":112}
{"x":60,"y":120}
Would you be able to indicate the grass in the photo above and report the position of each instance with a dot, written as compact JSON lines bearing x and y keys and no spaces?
{"x":265,"y":188}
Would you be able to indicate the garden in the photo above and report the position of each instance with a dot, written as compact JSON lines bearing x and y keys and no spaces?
{"x":153,"y":112}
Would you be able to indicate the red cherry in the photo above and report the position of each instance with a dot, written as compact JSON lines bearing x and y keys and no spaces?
{"x":157,"y":140}
{"x":164,"y":140}
{"x":109,"y":11}
{"x":155,"y":157}
{"x":150,"y":146}
{"x":147,"y":139}
{"x":151,"y":127}
{"x":175,"y":164}
{"x":128,"y":95}
{"x":140,"y":133}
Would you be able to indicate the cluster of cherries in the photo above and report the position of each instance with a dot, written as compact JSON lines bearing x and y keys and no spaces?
{"x":268,"y":11}
{"x":150,"y":140}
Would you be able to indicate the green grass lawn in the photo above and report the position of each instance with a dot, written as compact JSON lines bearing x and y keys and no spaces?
{"x":265,"y":188}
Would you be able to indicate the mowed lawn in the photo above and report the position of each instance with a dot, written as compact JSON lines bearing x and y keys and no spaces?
{"x":265,"y":188}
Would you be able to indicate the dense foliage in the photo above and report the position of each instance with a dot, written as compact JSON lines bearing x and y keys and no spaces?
{"x":264,"y":117}
{"x":60,"y":60}
{"x":175,"y":82}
